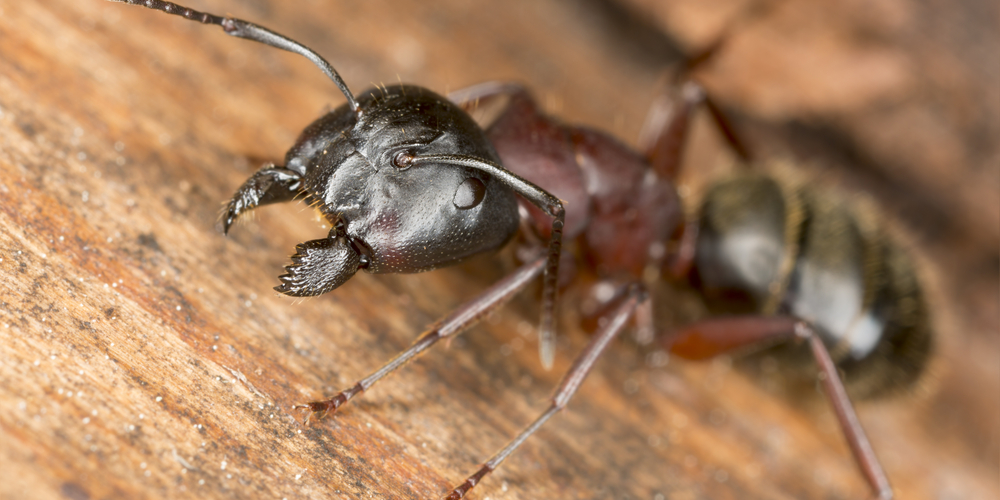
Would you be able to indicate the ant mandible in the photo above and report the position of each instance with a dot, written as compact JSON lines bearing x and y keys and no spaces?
{"x":409,"y":183}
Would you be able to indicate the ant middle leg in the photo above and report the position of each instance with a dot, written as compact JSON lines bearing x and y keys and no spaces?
{"x":634,"y":296}
{"x":664,"y":133}
{"x":662,"y":140}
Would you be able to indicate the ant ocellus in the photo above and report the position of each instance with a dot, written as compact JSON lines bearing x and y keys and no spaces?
{"x":410,"y":182}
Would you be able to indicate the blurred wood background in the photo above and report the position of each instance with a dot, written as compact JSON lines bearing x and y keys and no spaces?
{"x":144,"y":355}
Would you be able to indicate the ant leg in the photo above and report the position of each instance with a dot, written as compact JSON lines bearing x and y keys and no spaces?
{"x":725,"y":125}
{"x":454,"y":323}
{"x":750,"y":13}
{"x":682,"y":255}
{"x":665,"y":131}
{"x":547,"y":203}
{"x":709,"y":338}
{"x":833,"y":387}
{"x":268,"y":185}
{"x":645,"y":327}
{"x":469,"y":96}
{"x":567,"y":387}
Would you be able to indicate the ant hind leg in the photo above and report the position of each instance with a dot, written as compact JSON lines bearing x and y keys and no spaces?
{"x":712,"y":337}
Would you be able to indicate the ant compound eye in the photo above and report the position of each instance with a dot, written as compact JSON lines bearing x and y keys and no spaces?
{"x":469,"y":193}
{"x":402,"y":160}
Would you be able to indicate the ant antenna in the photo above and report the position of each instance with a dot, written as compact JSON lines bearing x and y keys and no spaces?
{"x":243,"y":29}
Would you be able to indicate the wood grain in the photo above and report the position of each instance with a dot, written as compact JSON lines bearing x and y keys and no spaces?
{"x":144,"y":355}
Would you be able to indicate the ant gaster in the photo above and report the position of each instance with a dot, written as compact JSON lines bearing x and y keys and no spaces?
{"x":409,"y":183}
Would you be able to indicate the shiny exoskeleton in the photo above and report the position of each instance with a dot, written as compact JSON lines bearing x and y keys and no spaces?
{"x":409,"y":182}
{"x":385,"y":218}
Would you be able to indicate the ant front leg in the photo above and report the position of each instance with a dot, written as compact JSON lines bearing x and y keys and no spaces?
{"x":538,"y":152}
{"x":712,"y":337}
{"x":456,"y":322}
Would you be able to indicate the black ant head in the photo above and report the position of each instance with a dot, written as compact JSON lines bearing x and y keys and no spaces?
{"x":366,"y":173}
{"x":407,"y":179}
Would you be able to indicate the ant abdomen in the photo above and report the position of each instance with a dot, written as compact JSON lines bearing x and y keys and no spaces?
{"x":785,"y":247}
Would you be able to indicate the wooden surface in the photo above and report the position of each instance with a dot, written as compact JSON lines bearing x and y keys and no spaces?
{"x":144,"y":355}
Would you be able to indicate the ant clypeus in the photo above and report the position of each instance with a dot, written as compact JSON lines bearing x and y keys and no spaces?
{"x":409,"y":183}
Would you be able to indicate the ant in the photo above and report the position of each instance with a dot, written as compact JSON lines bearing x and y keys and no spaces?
{"x":409,"y":183}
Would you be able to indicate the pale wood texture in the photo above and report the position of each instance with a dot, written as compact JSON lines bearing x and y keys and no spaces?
{"x":144,"y":355}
